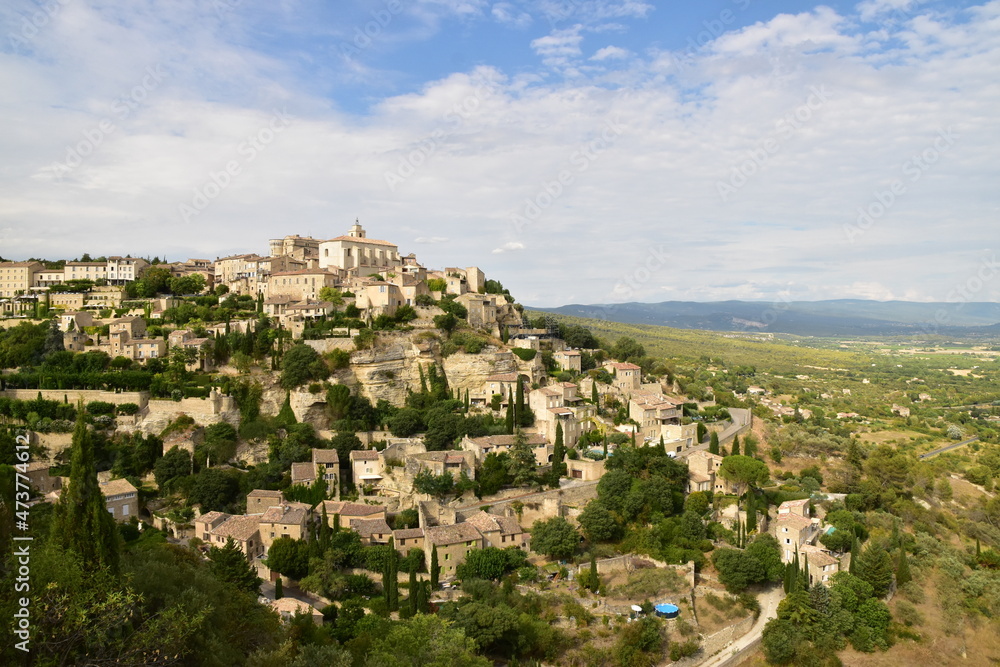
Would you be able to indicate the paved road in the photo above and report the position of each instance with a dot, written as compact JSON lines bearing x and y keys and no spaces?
{"x":768,"y":610}
{"x":741,"y":418}
{"x":947,"y":448}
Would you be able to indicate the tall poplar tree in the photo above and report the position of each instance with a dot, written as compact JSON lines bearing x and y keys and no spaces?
{"x":81,"y":521}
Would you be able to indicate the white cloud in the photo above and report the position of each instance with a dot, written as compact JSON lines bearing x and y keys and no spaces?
{"x":508,"y":14}
{"x":610,"y":53}
{"x":510,"y":246}
{"x":560,"y":46}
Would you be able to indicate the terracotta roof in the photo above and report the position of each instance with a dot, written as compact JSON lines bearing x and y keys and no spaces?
{"x":241,"y":528}
{"x":407,"y":533}
{"x":360,"y":239}
{"x":817,"y":556}
{"x":117,"y":487}
{"x":561,"y":411}
{"x":459,"y":532}
{"x":572,"y":353}
{"x":624,"y":366}
{"x":454,"y":458}
{"x":326,"y":456}
{"x":369,"y":527}
{"x":212,"y":518}
{"x":788,"y":504}
{"x":509,"y":525}
{"x":364,"y":455}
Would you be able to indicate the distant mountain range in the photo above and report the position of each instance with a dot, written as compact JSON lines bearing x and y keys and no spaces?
{"x":841,"y":317}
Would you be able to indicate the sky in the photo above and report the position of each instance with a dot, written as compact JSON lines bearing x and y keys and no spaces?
{"x":578,"y":151}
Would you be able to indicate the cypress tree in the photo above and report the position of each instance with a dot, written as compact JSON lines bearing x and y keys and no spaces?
{"x":595,"y":582}
{"x":414,"y":607}
{"x":855,"y":555}
{"x":605,"y":445}
{"x":519,"y":411}
{"x":336,"y":522}
{"x":423,"y":380}
{"x":509,"y":417}
{"x":422,"y":597}
{"x":435,"y":568}
{"x":594,"y":396}
{"x":978,"y":548}
{"x":81,"y":521}
{"x":736,"y":445}
{"x":558,"y":456}
{"x":713,"y":443}
{"x":278,"y":591}
{"x":286,"y":417}
{"x":903,"y":568}
{"x":393,"y":578}
{"x":805,"y":571}
{"x":324,"y":530}
{"x":751,"y":512}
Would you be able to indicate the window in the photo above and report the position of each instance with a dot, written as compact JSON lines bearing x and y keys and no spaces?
{"x":125,"y":509}
{"x":447,"y":556}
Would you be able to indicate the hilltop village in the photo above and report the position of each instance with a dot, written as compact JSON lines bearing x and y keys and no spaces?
{"x":344,"y":421}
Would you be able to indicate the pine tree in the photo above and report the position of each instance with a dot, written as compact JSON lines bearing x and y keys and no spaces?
{"x":713,"y":443}
{"x":903,"y":568}
{"x":558,"y":458}
{"x":324,"y":530}
{"x":875,"y":567}
{"x":81,"y":521}
{"x":278,"y":591}
{"x":435,"y":568}
{"x":736,"y":446}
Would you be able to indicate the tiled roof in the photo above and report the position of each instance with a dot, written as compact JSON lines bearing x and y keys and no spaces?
{"x":793,"y":520}
{"x":407,"y":533}
{"x":459,"y":532}
{"x":364,"y":455}
{"x":284,"y":514}
{"x":369,"y":527}
{"x":302,"y":471}
{"x":212,"y":518}
{"x":325,"y":456}
{"x":560,"y":411}
{"x":484,"y":523}
{"x":348,"y":509}
{"x":509,"y":525}
{"x":264,"y":493}
{"x":117,"y":487}
{"x":571,"y":353}
{"x":454,"y":458}
{"x":789,"y":504}
{"x":240,"y":528}
{"x":624,"y":366}
{"x":507,"y":440}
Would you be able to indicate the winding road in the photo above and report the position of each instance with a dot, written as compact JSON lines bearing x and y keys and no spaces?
{"x":739,"y":649}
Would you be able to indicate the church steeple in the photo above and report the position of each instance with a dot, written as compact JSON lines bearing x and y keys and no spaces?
{"x":357,"y":231}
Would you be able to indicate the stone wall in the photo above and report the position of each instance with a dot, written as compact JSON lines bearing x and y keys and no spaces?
{"x":74,"y":395}
{"x":717,"y":642}
{"x":205,"y":411}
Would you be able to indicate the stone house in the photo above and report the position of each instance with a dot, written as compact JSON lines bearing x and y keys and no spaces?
{"x":186,"y":339}
{"x":304,"y":284}
{"x":569,"y":360}
{"x":285,"y":520}
{"x":499,"y":531}
{"x":792,"y":532}
{"x":408,"y":538}
{"x":821,"y":564}
{"x":379,"y":298}
{"x":438,"y":463}
{"x":560,"y":404}
{"x":626,"y":377}
{"x":367,"y":467}
{"x":483,"y":446}
{"x":798,"y":507}
{"x":653,"y":412}
{"x":585,"y":470}
{"x":244,"y":530}
{"x":18,"y":276}
{"x":372,"y":531}
{"x":75,"y":320}
{"x":206,"y":523}
{"x":121,"y":499}
{"x":703,"y":475}
{"x":348,"y":510}
{"x":39,"y":478}
{"x":453,"y":545}
{"x":259,"y":500}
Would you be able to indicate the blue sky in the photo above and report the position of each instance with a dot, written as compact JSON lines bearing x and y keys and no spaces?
{"x":577,"y":150}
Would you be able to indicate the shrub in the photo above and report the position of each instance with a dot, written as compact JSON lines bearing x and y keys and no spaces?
{"x":524,"y":354}
{"x":100,"y":408}
{"x":128,"y":409}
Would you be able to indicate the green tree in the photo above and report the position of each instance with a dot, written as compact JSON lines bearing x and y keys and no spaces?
{"x":522,"y":462}
{"x":278,"y":592}
{"x":173,"y":465}
{"x":81,"y":523}
{"x":230,"y":565}
{"x":555,"y":538}
{"x":595,"y":579}
{"x":289,"y":556}
{"x":713,"y":443}
{"x":435,"y":568}
{"x":903,"y":568}
{"x":286,"y":417}
{"x":735,"y":451}
{"x":446,"y":323}
{"x":875,"y":567}
{"x":301,"y":364}
{"x":743,"y":471}
{"x":427,"y":641}
{"x":558,"y":459}
{"x":598,"y":523}
{"x":491,"y":563}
